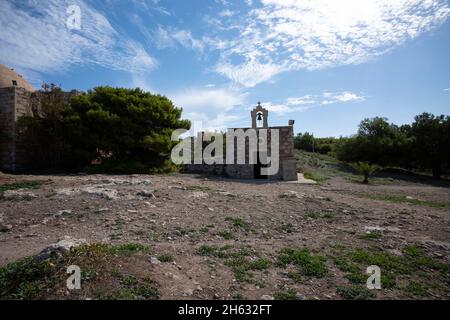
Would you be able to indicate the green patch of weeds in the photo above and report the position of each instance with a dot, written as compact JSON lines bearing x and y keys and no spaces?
{"x":165,"y":257}
{"x":312,"y":215}
{"x":313,"y":176}
{"x":405,"y":199}
{"x":329,"y":215}
{"x":137,"y":291}
{"x":205,"y":229}
{"x":31,"y":278}
{"x":307,"y":264}
{"x":373,"y":235}
{"x":130,"y":280}
{"x":240,"y":260}
{"x":227,"y":235}
{"x":317,"y":215}
{"x":21,"y":185}
{"x":238,"y":222}
{"x":119,"y":223}
{"x":129,"y":248}
{"x":181,"y":232}
{"x":286,"y":295}
{"x":286,"y":227}
{"x":355,"y":292}
{"x":295,"y":276}
{"x":260,"y":264}
{"x":415,"y":290}
{"x":153,"y":235}
{"x":414,"y":263}
{"x":23,"y":279}
{"x":198,"y":188}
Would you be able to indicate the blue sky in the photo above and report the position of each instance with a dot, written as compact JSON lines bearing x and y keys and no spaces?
{"x":325,"y":63}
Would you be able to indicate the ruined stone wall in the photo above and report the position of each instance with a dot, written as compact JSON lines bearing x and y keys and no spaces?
{"x":7,"y":128}
{"x":14,"y":103}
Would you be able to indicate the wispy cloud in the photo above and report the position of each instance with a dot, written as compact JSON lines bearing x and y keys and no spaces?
{"x":285,"y":35}
{"x":448,"y":89}
{"x":303,"y":103}
{"x":34,"y":38}
{"x":171,"y":37}
{"x":214,"y":107}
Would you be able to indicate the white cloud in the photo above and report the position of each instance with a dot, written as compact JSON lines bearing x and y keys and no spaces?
{"x":316,"y":34}
{"x":227,"y":13}
{"x":281,"y":109}
{"x":303,"y":103}
{"x":213,"y":106}
{"x":448,"y":89}
{"x":170,"y":38}
{"x":35,"y":38}
{"x":348,"y":96}
{"x":250,"y":73}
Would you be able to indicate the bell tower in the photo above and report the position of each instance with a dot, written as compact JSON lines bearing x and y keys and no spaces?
{"x":260,"y":117}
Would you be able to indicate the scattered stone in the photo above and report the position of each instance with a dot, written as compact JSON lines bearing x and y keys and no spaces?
{"x":60,"y":247}
{"x":146,"y":194}
{"x":291,"y":194}
{"x":380,"y":229}
{"x":267,"y":297}
{"x":63,"y":212}
{"x":228,"y":194}
{"x":374,"y":229}
{"x":154,"y":261}
{"x":188,"y":292}
{"x":198,"y":194}
{"x":5,"y":227}
{"x":177,"y":187}
{"x":98,"y":190}
{"x":101,"y":210}
{"x":19,"y":194}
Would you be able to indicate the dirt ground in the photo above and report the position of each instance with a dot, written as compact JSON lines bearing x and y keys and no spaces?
{"x":175,"y":215}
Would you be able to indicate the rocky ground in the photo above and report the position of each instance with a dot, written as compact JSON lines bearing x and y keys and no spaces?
{"x":211,"y":238}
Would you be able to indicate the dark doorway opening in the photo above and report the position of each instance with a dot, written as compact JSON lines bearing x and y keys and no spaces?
{"x":257,"y":168}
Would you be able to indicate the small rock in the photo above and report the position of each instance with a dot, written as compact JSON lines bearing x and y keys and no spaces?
{"x":102,"y":210}
{"x":146,"y":194}
{"x":60,"y":247}
{"x":19,"y":194}
{"x":5,"y":227}
{"x":375,"y":229}
{"x":267,"y":297}
{"x":291,"y":194}
{"x":63,"y":212}
{"x":199,"y":194}
{"x":154,"y":260}
{"x":188,"y":292}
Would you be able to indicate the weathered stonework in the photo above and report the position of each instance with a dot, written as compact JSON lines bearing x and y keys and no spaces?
{"x":14,"y":103}
{"x":17,"y":99}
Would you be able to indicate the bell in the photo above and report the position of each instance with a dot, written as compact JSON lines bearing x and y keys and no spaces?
{"x":259,"y":118}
